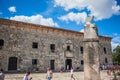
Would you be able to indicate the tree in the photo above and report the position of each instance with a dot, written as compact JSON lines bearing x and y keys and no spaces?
{"x":116,"y":55}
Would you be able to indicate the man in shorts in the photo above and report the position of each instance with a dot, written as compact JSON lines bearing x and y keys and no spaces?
{"x":71,"y":71}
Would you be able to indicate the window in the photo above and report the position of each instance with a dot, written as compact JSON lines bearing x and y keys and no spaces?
{"x":106,"y":60}
{"x":35,"y":45}
{"x":105,"y":50}
{"x":1,"y":43}
{"x":68,"y":48}
{"x":34,"y":61}
{"x":52,"y":47}
{"x":81,"y":49}
{"x":82,"y":62}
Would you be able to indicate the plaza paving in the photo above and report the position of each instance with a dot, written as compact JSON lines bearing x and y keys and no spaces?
{"x":56,"y":76}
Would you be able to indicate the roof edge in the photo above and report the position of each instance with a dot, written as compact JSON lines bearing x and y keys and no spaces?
{"x":13,"y":22}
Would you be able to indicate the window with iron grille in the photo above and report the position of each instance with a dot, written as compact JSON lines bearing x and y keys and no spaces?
{"x":1,"y":43}
{"x":52,"y":47}
{"x":68,"y":48}
{"x":34,"y":61}
{"x":82,"y":62}
{"x":105,"y":50}
{"x":81,"y":49}
{"x":35,"y":45}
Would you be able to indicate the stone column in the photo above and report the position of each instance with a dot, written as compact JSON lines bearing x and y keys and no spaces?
{"x":91,"y":52}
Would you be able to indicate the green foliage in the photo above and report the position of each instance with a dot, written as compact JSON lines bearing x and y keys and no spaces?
{"x":116,"y":55}
{"x":115,"y":76}
{"x":114,"y":79}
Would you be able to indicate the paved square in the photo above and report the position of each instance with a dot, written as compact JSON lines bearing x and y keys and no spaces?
{"x":56,"y":76}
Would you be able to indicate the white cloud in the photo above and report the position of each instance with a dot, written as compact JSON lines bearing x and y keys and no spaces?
{"x":101,"y":9}
{"x":115,"y":41}
{"x":36,"y":19}
{"x":82,"y":30}
{"x":115,"y":34}
{"x":77,"y":17}
{"x":12,"y":9}
{"x":114,"y":45}
{"x":69,"y":4}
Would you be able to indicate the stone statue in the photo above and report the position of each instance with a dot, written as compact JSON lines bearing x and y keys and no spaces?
{"x":89,"y":20}
{"x":91,"y":30}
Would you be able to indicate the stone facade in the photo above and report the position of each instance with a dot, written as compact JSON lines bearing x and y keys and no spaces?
{"x":26,"y":46}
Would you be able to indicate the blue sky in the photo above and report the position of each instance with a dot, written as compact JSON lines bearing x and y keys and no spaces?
{"x":67,"y":14}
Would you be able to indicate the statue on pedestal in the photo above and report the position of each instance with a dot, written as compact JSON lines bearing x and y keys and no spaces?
{"x":91,"y":51}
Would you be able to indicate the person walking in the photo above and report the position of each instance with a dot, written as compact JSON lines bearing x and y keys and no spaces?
{"x":71,"y":71}
{"x":26,"y":76}
{"x":2,"y":75}
{"x":49,"y":74}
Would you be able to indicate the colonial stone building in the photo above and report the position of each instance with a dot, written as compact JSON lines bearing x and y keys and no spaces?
{"x":26,"y":46}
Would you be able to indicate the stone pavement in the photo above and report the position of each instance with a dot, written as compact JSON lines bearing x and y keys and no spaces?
{"x":56,"y":76}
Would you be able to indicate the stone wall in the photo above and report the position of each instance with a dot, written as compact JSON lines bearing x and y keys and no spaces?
{"x":19,"y":37}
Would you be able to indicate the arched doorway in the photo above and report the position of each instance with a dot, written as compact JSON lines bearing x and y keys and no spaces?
{"x":12,"y":63}
{"x":68,"y":64}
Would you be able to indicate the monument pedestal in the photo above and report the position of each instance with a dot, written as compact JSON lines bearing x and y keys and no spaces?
{"x":91,"y":59}
{"x":91,"y":51}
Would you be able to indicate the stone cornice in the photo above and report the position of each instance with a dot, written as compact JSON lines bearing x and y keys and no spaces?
{"x":43,"y":28}
{"x":105,"y":38}
{"x":37,"y":27}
